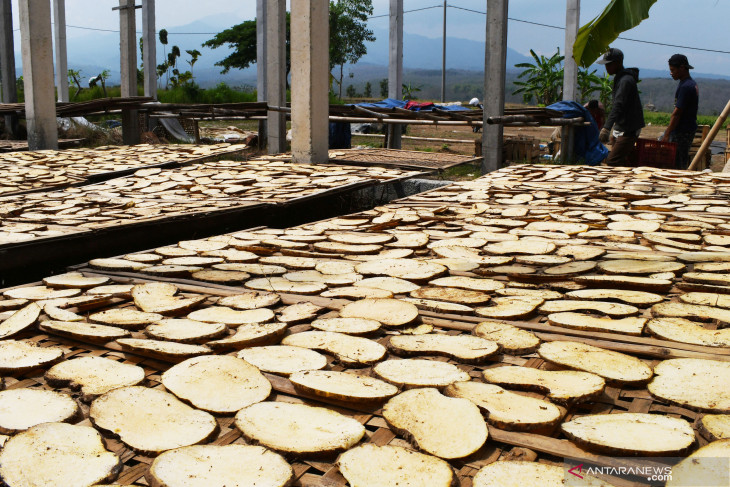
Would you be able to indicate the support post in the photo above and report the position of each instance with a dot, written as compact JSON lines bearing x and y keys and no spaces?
{"x":570,"y":75}
{"x":7,"y":64}
{"x":276,"y":74}
{"x":443,"y":59}
{"x":261,"y":65}
{"x":128,"y":51}
{"x":310,"y":80}
{"x":495,"y":69}
{"x":149,"y":48}
{"x":395,"y":67}
{"x":37,"y":47}
{"x":59,"y":31}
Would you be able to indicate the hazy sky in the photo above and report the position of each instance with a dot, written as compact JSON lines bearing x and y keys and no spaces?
{"x":693,"y":23}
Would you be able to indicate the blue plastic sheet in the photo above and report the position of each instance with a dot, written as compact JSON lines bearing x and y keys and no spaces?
{"x":586,"y":147}
{"x":393,"y":103}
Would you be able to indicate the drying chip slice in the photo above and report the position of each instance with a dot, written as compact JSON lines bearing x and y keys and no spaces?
{"x":626,"y":282}
{"x":151,"y":421}
{"x":705,"y":299}
{"x":561,"y":386}
{"x":201,"y":245}
{"x":615,"y":310}
{"x":706,"y":466}
{"x":21,"y":409}
{"x":506,"y":409}
{"x":117,"y":290}
{"x":125,"y":318}
{"x":511,"y":340}
{"x":359,"y":389}
{"x":630,"y":434}
{"x":697,"y":384}
{"x":715,"y":426}
{"x":185,"y":331}
{"x":686,"y":331}
{"x":446,"y":427}
{"x":220,"y":277}
{"x":581,"y":252}
{"x":94,"y":375}
{"x":389,"y":312}
{"x":113,"y":264}
{"x":439,"y":306}
{"x":251,"y":335}
{"x":89,"y":332}
{"x":350,"y":350}
{"x":20,"y":320}
{"x":472,"y":283}
{"x":253,"y":269}
{"x":392,"y":284}
{"x":345,"y":248}
{"x":298,"y":429}
{"x":350,"y":326}
{"x":60,"y":454}
{"x":580,"y":321}
{"x":159,"y":297}
{"x":299,"y":312}
{"x":613,"y":366}
{"x":229,"y":465}
{"x":74,"y":280}
{"x":11,"y":304}
{"x":414,"y":270}
{"x":297,"y":263}
{"x":357,"y":292}
{"x":19,"y":356}
{"x":510,"y":307}
{"x":462,"y":348}
{"x":164,"y":350}
{"x":525,"y":246}
{"x":36,"y":293}
{"x":529,"y":293}
{"x":471,"y":255}
{"x":419,"y":373}
{"x":279,"y":284}
{"x":360,"y":238}
{"x":624,"y":266}
{"x":638,"y":298}
{"x":283,"y":359}
{"x":505,"y":473}
{"x":232,"y":317}
{"x":370,"y":465}
{"x":56,"y":313}
{"x":250,"y":300}
{"x":409,"y":240}
{"x":451,"y":294}
{"x":218,"y":383}
{"x":692,"y":311}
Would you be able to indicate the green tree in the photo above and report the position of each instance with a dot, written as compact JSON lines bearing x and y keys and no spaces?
{"x":384,"y":87}
{"x":74,"y":77}
{"x":241,"y":39}
{"x":605,"y":92}
{"x":588,"y":83}
{"x":544,"y":79}
{"x":409,"y":91}
{"x":348,"y":32}
{"x":163,"y":40}
{"x":368,"y":90}
{"x":194,"y":55}
{"x":351,"y":93}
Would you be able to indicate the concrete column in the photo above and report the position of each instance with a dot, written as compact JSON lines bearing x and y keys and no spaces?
{"x":149,"y":48}
{"x":59,"y":39}
{"x":7,"y":63}
{"x":395,"y":66}
{"x":570,"y":74}
{"x":275,"y":51}
{"x":310,"y":80}
{"x":128,"y":51}
{"x":261,"y":64}
{"x":495,"y":69}
{"x":37,"y":47}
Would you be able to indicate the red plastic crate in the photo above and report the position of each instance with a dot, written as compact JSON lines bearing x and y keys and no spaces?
{"x":655,"y":153}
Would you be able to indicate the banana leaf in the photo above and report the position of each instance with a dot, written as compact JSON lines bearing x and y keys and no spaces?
{"x":595,"y":37}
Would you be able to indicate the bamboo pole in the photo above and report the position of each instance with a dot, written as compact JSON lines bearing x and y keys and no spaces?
{"x":710,"y":137}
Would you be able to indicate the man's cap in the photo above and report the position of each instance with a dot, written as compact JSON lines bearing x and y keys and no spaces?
{"x":679,"y":60}
{"x":611,"y":55}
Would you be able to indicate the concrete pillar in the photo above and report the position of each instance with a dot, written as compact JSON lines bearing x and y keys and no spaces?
{"x":570,"y":74}
{"x":37,"y":47}
{"x":395,"y":66}
{"x":261,"y":64}
{"x":149,"y":48}
{"x":310,"y":80}
{"x":128,"y":51}
{"x":495,"y":69}
{"x":59,"y":43}
{"x":276,"y":73}
{"x":7,"y":63}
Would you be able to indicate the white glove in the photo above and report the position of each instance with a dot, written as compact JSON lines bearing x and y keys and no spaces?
{"x":660,"y":138}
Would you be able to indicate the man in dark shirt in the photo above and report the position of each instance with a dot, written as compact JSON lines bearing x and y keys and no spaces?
{"x":626,"y":119}
{"x":683,"y":122}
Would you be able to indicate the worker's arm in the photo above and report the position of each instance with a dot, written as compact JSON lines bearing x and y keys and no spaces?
{"x":673,"y":122}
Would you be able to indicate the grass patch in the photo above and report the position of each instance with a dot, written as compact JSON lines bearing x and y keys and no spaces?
{"x":662,"y":119}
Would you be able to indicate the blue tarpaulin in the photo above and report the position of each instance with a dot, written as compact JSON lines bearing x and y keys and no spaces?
{"x":586,"y":147}
{"x":393,"y":103}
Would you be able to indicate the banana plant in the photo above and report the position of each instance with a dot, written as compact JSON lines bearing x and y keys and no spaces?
{"x":544,"y":79}
{"x":596,"y":36}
